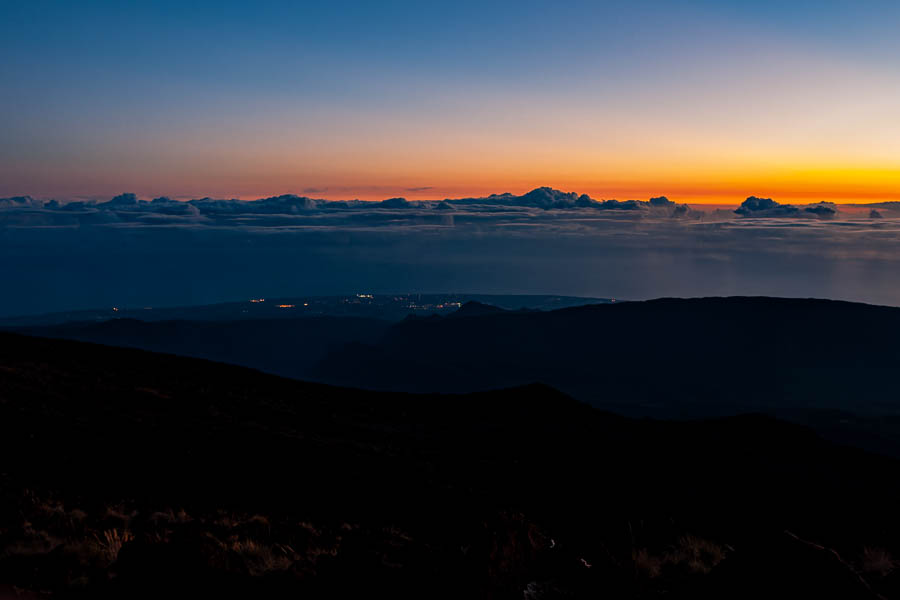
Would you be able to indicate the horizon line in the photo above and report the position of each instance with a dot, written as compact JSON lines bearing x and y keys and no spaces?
{"x":323,"y":195}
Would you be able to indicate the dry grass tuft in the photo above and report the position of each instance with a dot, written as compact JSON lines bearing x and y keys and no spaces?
{"x":696,"y":554}
{"x":261,"y":558}
{"x":110,"y":542}
{"x":877,"y":561}
{"x":646,"y":565}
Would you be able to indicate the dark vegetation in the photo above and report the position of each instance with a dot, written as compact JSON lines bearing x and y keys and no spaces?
{"x":130,"y":474}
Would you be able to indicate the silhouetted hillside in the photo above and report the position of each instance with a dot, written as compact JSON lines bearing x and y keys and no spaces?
{"x":828,"y":364}
{"x":387,"y":307}
{"x":666,"y":357}
{"x":127,"y":473}
{"x":476,"y":309}
{"x":287,"y":347}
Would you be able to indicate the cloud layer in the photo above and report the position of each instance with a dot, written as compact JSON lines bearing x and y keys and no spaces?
{"x":544,"y":209}
{"x":292,"y":210}
{"x":766,"y":207}
{"x":61,"y":255}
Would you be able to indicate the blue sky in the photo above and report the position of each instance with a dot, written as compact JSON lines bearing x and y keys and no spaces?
{"x":695,"y":99}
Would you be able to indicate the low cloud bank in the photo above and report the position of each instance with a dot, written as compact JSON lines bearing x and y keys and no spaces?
{"x":542,"y":209}
{"x":766,"y":207}
{"x":157,"y":252}
{"x":289,"y":210}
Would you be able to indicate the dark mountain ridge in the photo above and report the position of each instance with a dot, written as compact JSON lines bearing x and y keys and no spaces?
{"x":474,"y":308}
{"x":288,"y":347}
{"x":389,"y":307}
{"x":746,"y":336}
{"x":827,"y":364}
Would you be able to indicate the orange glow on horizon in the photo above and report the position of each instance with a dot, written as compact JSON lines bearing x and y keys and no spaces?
{"x":691,"y":180}
{"x":848,"y":186}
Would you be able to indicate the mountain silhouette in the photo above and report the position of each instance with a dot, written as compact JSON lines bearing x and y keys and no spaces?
{"x":288,"y":347}
{"x":822,"y":363}
{"x":829,"y":365}
{"x":474,"y":308}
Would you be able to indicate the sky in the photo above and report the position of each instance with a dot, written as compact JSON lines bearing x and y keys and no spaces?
{"x":704,"y":102}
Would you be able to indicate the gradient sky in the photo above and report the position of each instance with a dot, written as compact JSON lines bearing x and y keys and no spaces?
{"x":701,"y":101}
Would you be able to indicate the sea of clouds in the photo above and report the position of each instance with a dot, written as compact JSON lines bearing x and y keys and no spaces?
{"x":61,"y":255}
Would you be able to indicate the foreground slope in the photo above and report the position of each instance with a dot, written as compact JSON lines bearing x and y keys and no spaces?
{"x":128,"y":473}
